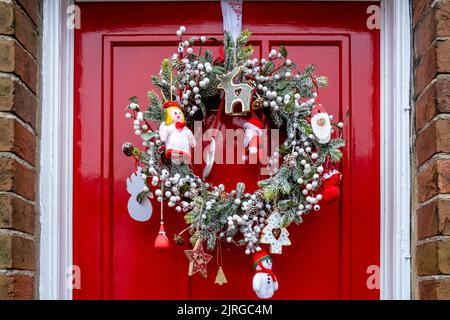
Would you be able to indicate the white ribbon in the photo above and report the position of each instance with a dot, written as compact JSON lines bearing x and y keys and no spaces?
{"x":232,"y":17}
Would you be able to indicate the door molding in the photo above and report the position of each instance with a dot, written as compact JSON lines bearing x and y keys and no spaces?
{"x":56,"y":173}
{"x":395,"y":169}
{"x":56,"y":152}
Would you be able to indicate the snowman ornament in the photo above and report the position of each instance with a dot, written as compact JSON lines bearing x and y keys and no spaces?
{"x":173,"y":132}
{"x":265,"y":282}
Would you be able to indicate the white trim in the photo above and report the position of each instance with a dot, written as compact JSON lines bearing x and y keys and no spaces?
{"x":395,"y":149}
{"x":55,"y":177}
{"x":57,"y":140}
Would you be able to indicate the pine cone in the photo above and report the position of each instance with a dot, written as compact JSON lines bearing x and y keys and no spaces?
{"x":259,"y":194}
{"x":290,"y":161}
{"x":179,"y":65}
{"x":127,"y":149}
{"x":223,"y":196}
{"x":252,"y":211}
{"x":258,"y":103}
{"x":193,"y":193}
{"x":178,"y":239}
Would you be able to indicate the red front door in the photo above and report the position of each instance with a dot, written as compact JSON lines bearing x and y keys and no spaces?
{"x":118,"y":47}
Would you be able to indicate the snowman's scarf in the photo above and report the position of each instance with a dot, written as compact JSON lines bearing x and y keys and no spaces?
{"x":265,"y":270}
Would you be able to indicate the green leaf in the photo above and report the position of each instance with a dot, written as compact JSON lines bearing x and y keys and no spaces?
{"x":283,"y":51}
{"x":154,"y":99}
{"x":141,"y":196}
{"x":240,"y":188}
{"x":136,"y":152}
{"x":270,"y":193}
{"x":298,"y":220}
{"x":286,"y":221}
{"x":268,"y":68}
{"x":133,"y":99}
{"x":286,"y":204}
{"x":290,"y":106}
{"x":208,"y":56}
{"x":285,"y":187}
{"x":203,"y":108}
{"x":219,"y":70}
{"x":282,"y":85}
{"x":322,"y":81}
{"x":335,"y":155}
{"x":283,"y":150}
{"x":305,"y":127}
{"x":148,"y":135}
{"x":184,"y":188}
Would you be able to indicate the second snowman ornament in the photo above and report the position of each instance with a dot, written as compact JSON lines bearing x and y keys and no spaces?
{"x":265,"y":282}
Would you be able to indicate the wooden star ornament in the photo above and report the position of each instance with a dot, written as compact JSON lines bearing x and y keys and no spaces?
{"x":198,"y":260}
{"x":275,"y":234}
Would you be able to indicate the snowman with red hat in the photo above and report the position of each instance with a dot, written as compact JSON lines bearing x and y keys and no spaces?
{"x":265,"y":282}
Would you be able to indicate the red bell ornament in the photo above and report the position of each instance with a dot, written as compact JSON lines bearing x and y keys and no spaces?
{"x":330,"y":186}
{"x":161,"y":241}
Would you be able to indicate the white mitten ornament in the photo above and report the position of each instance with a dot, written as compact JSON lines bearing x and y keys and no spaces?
{"x":173,"y":132}
{"x":135,"y":185}
{"x":265,"y":282}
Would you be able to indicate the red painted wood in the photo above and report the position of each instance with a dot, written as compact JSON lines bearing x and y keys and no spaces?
{"x":115,"y":55}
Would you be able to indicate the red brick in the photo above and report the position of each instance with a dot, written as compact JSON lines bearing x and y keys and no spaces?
{"x":14,"y":97}
{"x":434,"y":23}
{"x":16,"y":214}
{"x":425,"y":33}
{"x":15,"y":22}
{"x":443,"y":18}
{"x":33,"y":9}
{"x":434,"y":139}
{"x":14,"y":137}
{"x":433,"y":180}
{"x":434,"y":290}
{"x":443,"y":56}
{"x":433,"y":219}
{"x":17,"y":253}
{"x":433,"y":258}
{"x":435,"y":100}
{"x":418,"y":8}
{"x":25,"y":31}
{"x":16,"y":287}
{"x":426,"y":69}
{"x":13,"y":58}
{"x":15,"y":177}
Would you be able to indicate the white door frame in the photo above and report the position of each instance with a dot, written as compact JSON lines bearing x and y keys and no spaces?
{"x":55,"y":178}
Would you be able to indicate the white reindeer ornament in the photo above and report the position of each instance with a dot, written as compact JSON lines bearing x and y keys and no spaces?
{"x":138,"y":211}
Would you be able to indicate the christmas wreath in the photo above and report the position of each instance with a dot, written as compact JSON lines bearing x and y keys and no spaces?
{"x":303,"y":173}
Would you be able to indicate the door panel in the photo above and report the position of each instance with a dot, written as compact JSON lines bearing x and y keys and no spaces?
{"x":116,"y":54}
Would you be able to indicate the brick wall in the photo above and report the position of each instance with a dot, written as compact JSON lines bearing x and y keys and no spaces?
{"x":431,"y":22}
{"x":20,"y":44}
